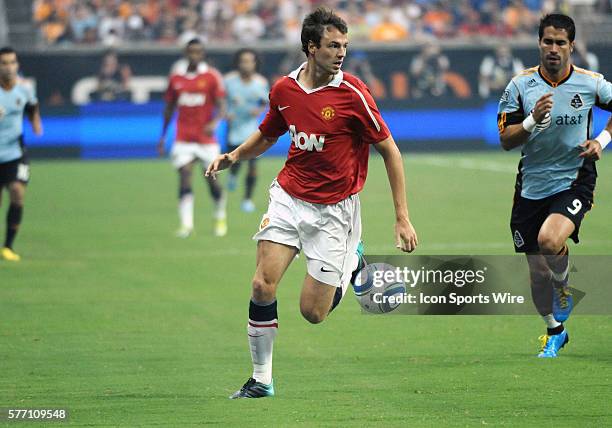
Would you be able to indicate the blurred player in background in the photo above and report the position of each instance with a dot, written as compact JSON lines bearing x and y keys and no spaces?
{"x":247,"y":98}
{"x":197,"y":90}
{"x":546,"y":110}
{"x":16,"y":97}
{"x":314,"y":203}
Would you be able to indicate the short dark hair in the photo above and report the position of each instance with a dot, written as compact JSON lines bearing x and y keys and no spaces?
{"x":559,"y":21}
{"x":194,"y":41}
{"x":315,"y":23}
{"x":243,"y":51}
{"x":7,"y":50}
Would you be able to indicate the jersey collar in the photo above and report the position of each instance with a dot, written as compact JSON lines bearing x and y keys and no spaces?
{"x":181,"y":66}
{"x":335,"y":82}
{"x":560,"y":82}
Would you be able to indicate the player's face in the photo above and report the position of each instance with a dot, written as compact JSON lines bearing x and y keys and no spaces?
{"x":247,"y":63}
{"x":332,"y":52}
{"x":555,"y":49}
{"x":195,"y":53}
{"x":8,"y":66}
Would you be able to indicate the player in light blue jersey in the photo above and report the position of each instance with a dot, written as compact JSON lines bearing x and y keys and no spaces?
{"x":16,"y":97}
{"x":247,"y":97}
{"x":547,"y":111}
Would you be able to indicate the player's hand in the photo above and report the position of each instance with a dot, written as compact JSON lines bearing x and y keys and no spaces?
{"x":543,"y":107}
{"x":405,"y":236}
{"x":160,"y":146}
{"x":591,"y":149}
{"x":222,"y":162}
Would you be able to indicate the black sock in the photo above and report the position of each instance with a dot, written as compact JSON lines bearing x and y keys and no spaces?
{"x":13,"y":220}
{"x":250,"y":185}
{"x":263,"y":313}
{"x":554,"y":331}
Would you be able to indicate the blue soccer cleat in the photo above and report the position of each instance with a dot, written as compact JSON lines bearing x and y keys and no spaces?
{"x":254,"y":389}
{"x":563,"y":302}
{"x":551,"y":345}
{"x":361,"y":262}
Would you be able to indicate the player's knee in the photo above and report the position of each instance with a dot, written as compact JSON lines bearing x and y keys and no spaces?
{"x":549,"y":244}
{"x":313,"y":314}
{"x":263,"y":289}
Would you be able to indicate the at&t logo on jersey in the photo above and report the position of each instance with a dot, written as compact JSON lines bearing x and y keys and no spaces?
{"x":303,"y":141}
{"x":191,"y":99}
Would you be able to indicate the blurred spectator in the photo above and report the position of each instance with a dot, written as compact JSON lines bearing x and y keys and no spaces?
{"x":427,"y":72}
{"x":173,"y":21}
{"x":359,"y":65}
{"x":496,"y":71}
{"x":583,"y":58}
{"x":113,"y":79}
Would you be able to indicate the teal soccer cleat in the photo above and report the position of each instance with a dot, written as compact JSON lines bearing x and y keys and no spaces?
{"x":552,"y":344}
{"x":563,"y":302}
{"x":254,"y":389}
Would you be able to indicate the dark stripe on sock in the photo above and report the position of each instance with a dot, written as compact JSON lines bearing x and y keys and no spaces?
{"x":13,"y":220}
{"x":553,"y":331}
{"x":262,"y":313}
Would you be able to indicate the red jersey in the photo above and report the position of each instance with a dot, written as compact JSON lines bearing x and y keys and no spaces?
{"x":330,"y":130}
{"x":195,"y":95}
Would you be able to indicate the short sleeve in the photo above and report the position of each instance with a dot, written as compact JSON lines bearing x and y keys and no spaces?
{"x":604,"y":94}
{"x":273,"y":125}
{"x":219,"y":87}
{"x":510,"y":110}
{"x":373,"y":127}
{"x":31,"y":94}
{"x":170,"y":96}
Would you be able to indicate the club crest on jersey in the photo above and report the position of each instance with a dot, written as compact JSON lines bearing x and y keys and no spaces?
{"x":18,"y":102}
{"x":201,"y":84}
{"x":303,"y":141}
{"x":576,"y":102}
{"x":328,"y":113}
{"x":264,"y":223}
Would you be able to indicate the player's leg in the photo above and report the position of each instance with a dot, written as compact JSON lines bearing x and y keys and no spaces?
{"x":207,"y":154}
{"x":273,"y":259}
{"x":186,"y":200}
{"x":14,"y":215}
{"x":250,"y":180}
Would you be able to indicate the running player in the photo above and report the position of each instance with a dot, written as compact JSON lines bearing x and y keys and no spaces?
{"x":547,"y":110}
{"x":314,"y":202}
{"x":16,"y":97}
{"x":247,"y":98}
{"x":196,"y":89}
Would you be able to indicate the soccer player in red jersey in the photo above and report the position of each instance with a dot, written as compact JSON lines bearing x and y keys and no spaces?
{"x":314,"y":203}
{"x":197,"y":90}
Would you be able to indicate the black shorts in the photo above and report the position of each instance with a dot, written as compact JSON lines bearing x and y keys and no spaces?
{"x":528,"y":215}
{"x":15,"y":170}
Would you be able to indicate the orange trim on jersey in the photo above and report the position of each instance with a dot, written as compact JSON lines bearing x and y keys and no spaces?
{"x":562,"y":80}
{"x":528,"y":71}
{"x":587,"y":72}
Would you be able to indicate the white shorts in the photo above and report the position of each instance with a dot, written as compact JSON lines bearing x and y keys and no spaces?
{"x":183,"y":153}
{"x":327,"y":234}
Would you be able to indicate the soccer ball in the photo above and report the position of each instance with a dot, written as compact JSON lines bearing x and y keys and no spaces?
{"x":373,"y":296}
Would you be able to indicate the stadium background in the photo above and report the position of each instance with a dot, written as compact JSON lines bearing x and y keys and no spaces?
{"x":112,"y":317}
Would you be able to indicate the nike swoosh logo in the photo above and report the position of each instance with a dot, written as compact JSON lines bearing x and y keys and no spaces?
{"x":325,"y":270}
{"x":282,"y":108}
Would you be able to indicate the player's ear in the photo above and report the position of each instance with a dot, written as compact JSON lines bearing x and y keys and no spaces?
{"x":572,"y":45}
{"x":312,"y":47}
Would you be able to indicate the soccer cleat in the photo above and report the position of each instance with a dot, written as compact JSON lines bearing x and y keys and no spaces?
{"x":9,"y":255}
{"x":220,"y":227}
{"x":361,"y":262}
{"x":184,"y":232}
{"x":231,"y":183}
{"x":552,"y":344}
{"x":247,"y":206}
{"x":563,"y":302}
{"x":254,"y":389}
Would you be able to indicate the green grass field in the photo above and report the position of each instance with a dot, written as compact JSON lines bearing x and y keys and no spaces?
{"x":112,"y":317}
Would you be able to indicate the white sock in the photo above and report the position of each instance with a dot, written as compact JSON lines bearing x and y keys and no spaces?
{"x":186,"y":210}
{"x":550,"y":321}
{"x":220,"y":207}
{"x":261,"y":340}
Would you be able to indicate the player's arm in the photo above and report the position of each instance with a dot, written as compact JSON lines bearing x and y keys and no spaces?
{"x":168,"y":113}
{"x":593,"y":149}
{"x":254,"y":146}
{"x":32,"y":112}
{"x":220,"y":113}
{"x":516,"y":135}
{"x":405,"y":235}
